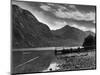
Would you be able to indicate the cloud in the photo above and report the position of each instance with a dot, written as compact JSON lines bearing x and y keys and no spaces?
{"x":72,"y":6}
{"x":69,"y":12}
{"x":52,"y":7}
{"x":76,"y":15}
{"x":83,"y":28}
{"x":51,"y":4}
{"x":58,"y":25}
{"x":45,"y":7}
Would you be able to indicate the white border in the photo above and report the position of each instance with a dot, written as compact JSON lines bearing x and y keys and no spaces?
{"x":5,"y":37}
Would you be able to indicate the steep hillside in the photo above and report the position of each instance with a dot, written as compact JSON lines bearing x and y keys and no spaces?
{"x":27,"y":30}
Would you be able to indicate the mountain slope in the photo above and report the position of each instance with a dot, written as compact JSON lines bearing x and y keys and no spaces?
{"x":27,"y":30}
{"x":71,"y":34}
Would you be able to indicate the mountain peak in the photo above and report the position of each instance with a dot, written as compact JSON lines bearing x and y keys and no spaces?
{"x":67,"y":26}
{"x":23,"y":12}
{"x":90,"y":32}
{"x":16,"y":8}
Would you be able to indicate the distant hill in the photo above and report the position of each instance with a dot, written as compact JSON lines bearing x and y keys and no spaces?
{"x":89,"y":32}
{"x":69,"y":32}
{"x":28,"y":32}
{"x":72,"y":34}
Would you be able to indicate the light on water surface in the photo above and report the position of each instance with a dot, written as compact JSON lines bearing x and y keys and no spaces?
{"x":52,"y":67}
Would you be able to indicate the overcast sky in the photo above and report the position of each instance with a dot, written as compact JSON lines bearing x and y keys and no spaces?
{"x":57,"y":16}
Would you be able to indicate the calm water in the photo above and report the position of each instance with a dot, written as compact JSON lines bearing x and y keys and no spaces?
{"x":48,"y":61}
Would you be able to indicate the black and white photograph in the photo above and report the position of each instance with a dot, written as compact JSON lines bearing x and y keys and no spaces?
{"x":52,"y":37}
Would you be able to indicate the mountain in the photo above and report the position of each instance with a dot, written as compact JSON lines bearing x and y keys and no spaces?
{"x":89,"y":32}
{"x":27,"y":30}
{"x":73,"y":35}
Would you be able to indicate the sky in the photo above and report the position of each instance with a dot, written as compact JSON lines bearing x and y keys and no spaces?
{"x":57,"y":15}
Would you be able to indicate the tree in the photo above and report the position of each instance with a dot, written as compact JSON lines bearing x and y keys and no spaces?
{"x":89,"y":42}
